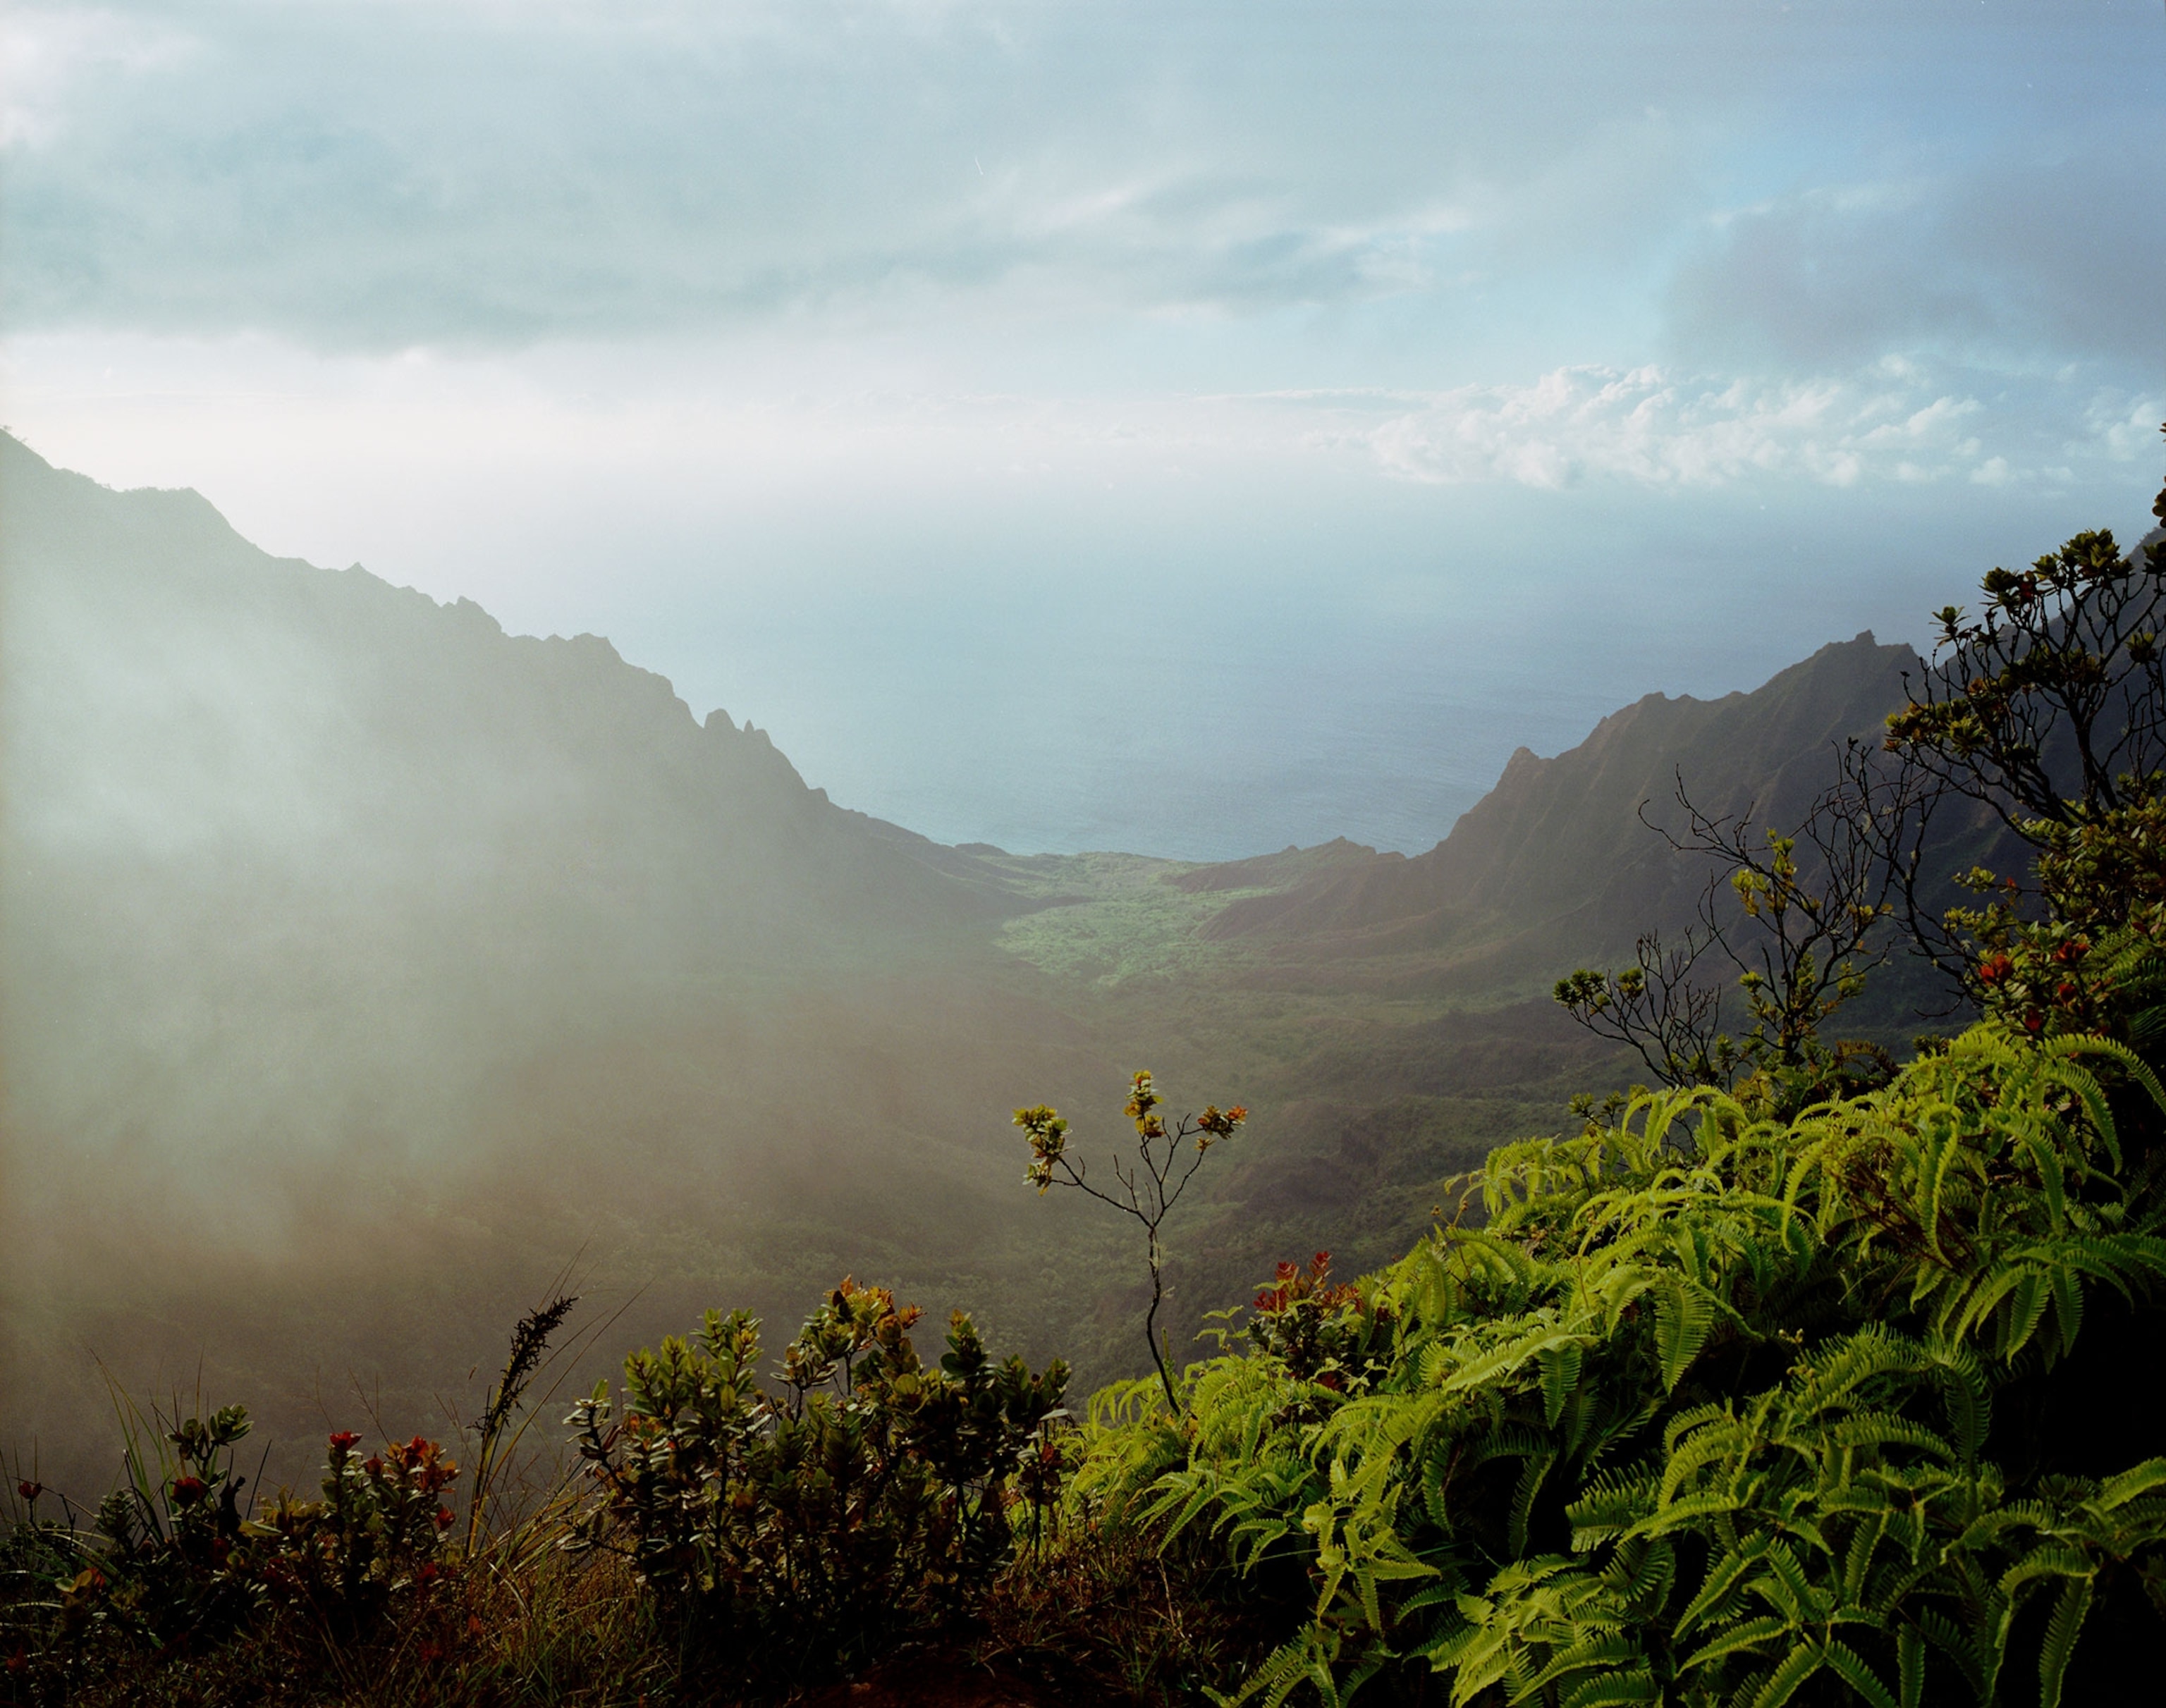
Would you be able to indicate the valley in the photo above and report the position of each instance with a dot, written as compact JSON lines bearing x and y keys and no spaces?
{"x":366,"y":967}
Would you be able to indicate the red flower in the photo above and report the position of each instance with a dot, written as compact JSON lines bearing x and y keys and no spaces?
{"x":443,"y":1518}
{"x":29,"y":1491}
{"x":1999,"y":967}
{"x":2034,"y":1022}
{"x":188,"y":1490}
{"x":372,"y":1465}
{"x":342,"y":1442}
{"x":2064,"y":991}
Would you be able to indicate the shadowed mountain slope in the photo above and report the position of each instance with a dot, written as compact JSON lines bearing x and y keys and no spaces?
{"x":1555,"y":865}
{"x":297,"y":831}
{"x":360,"y":963}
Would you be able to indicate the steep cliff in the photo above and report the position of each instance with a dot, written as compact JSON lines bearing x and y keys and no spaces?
{"x":1555,"y":864}
{"x":294,"y":850}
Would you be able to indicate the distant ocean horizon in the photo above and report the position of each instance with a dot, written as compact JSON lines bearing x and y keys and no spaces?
{"x":1291,"y":739}
{"x":1200,"y":686}
{"x":1395,"y":774}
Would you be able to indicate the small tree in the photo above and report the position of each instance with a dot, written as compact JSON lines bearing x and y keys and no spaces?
{"x":2048,"y":708}
{"x":2047,"y":711}
{"x":1148,"y":1190}
{"x":1795,"y":917}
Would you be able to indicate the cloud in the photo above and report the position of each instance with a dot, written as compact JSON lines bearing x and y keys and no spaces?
{"x":361,"y":174}
{"x":2002,"y":255}
{"x":1653,"y":428}
{"x":375,"y":175}
{"x":50,"y":62}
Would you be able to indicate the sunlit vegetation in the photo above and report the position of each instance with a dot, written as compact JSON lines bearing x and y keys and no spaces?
{"x":1109,"y":919}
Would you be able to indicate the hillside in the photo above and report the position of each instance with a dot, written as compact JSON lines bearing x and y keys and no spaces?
{"x":1555,"y":866}
{"x":362,"y":966}
{"x":267,"y":821}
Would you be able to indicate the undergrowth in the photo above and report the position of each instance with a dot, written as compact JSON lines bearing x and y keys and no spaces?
{"x":1697,"y":1406}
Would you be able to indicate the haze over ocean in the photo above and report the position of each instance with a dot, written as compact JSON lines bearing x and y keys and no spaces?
{"x":1183,"y":430}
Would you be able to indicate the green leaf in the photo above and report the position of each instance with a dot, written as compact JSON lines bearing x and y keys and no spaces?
{"x":1747,"y":1634}
{"x":1722,"y":1577}
{"x":1560,"y":1362}
{"x":2139,"y":1480}
{"x":1847,"y":1664}
{"x":1910,"y":1663}
{"x":1537,"y":1468}
{"x":1606,"y":1649}
{"x":2062,"y":1629}
{"x":1973,"y":1657}
{"x":1683,"y":1315}
{"x":1789,"y":1677}
{"x":1616,"y":1690}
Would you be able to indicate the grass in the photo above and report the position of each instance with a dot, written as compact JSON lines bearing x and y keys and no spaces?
{"x":1108,"y":920}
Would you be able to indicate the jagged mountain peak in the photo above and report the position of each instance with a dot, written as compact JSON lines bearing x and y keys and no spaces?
{"x":1555,"y":863}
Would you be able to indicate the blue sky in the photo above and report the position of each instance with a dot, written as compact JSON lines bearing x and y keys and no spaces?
{"x":1184,"y":427}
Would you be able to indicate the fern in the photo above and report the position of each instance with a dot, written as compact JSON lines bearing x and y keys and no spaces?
{"x":1747,"y":1367}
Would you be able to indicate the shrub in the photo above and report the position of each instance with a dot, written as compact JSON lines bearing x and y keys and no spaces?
{"x":378,"y":1533}
{"x":793,"y":1532}
{"x":172,"y":1569}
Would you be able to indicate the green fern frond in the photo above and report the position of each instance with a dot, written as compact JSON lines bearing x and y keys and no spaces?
{"x":2062,"y":1627}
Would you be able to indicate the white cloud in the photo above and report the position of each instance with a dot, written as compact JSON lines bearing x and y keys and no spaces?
{"x":49,"y":60}
{"x":1654,"y":427}
{"x":2122,"y":427}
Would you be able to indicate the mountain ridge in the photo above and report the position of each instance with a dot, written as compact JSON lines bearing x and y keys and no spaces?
{"x":1554,"y":864}
{"x":336,"y":919}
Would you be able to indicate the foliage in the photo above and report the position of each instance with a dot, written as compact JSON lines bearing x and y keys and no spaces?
{"x":1797,"y":915}
{"x":1815,"y":1387}
{"x":173,"y":1566}
{"x":2052,"y":701}
{"x":1705,"y":1412}
{"x":1324,"y":1331}
{"x":792,"y":1532}
{"x":752,"y":1537}
{"x":166,"y":1564}
{"x":375,"y":1536}
{"x":1705,"y":1409}
{"x":2048,"y":708}
{"x":1148,"y":1192}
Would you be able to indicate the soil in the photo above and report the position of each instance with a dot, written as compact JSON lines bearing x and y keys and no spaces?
{"x":933,"y":1681}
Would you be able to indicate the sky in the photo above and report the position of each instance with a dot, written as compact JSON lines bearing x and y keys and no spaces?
{"x":1189,"y":427}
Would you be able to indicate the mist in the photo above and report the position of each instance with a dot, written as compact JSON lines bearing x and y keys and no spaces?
{"x":807,"y":480}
